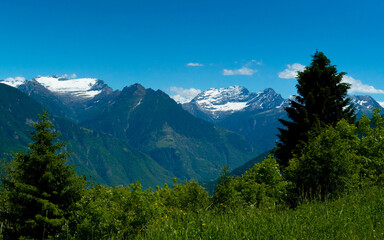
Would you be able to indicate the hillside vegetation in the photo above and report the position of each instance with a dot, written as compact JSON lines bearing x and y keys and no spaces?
{"x":327,"y":185}
{"x":259,"y":204}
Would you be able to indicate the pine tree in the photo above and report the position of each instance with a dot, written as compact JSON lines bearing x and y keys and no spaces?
{"x":41,"y":189}
{"x":321,"y":102}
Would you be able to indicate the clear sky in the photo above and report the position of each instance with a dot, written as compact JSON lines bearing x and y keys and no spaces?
{"x":185,"y":44}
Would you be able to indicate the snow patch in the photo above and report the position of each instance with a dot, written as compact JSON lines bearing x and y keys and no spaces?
{"x":80,"y":87}
{"x":229,"y":106}
{"x":361,"y":102}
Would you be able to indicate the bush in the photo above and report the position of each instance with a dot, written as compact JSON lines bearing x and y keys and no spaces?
{"x":372,"y":148}
{"x":120,"y":212}
{"x":328,"y":164}
{"x":187,"y":196}
{"x":263,"y":184}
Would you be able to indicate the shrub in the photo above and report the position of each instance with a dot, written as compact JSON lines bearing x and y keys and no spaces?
{"x":120,"y":212}
{"x":263,"y":184}
{"x":187,"y":196}
{"x":328,"y":164}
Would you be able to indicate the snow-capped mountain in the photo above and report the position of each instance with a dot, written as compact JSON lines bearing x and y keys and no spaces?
{"x":82,"y":88}
{"x":254,"y":115}
{"x":219,"y":103}
{"x":364,"y":104}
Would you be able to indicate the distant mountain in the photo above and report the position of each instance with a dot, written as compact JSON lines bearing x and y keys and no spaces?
{"x":110,"y":160}
{"x":253,"y":115}
{"x":217,"y":104}
{"x":144,"y":120}
{"x":155,"y":124}
{"x":364,"y":104}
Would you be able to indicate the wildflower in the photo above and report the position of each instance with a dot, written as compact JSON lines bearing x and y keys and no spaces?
{"x":203,"y":224}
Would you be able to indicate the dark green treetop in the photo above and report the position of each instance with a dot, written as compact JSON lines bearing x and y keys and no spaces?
{"x":321,"y":101}
{"x":40,"y":188}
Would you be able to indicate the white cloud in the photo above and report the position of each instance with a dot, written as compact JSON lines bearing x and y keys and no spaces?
{"x":253,"y":62}
{"x":195,"y":64}
{"x":358,"y":86}
{"x":381,"y":104}
{"x":15,"y":79}
{"x":291,"y":71}
{"x":72,"y":76}
{"x":242,"y":71}
{"x":184,"y":95}
{"x":14,"y":82}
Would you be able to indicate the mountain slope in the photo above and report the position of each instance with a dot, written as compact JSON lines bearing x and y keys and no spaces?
{"x":217,"y":104}
{"x":109,"y":159}
{"x":364,"y":104}
{"x":152,"y":122}
{"x":252,"y":115}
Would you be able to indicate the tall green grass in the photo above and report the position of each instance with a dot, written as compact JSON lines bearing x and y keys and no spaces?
{"x":358,"y":215}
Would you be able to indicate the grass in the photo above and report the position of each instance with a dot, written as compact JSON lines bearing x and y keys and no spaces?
{"x":356,"y":216}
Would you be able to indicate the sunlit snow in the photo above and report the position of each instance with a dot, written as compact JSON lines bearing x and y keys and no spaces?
{"x":229,"y":106}
{"x":79,"y":87}
{"x":223,"y":100}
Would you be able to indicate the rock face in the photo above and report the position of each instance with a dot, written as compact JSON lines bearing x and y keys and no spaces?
{"x":364,"y":104}
{"x":217,"y":104}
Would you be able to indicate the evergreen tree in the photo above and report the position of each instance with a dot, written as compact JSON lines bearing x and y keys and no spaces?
{"x":41,"y":189}
{"x":322,"y":101}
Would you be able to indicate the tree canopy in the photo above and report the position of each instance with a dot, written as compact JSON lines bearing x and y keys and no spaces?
{"x":321,"y":101}
{"x":41,"y":189}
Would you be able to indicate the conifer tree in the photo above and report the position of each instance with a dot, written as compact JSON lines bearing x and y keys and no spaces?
{"x":322,"y":101}
{"x":41,"y":189}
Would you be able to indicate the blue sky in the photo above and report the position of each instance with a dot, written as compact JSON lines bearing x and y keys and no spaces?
{"x":184,"y":44}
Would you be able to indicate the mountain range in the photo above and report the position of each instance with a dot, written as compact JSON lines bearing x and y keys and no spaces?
{"x":121,"y":136}
{"x":254,"y":115}
{"x":139,"y":134}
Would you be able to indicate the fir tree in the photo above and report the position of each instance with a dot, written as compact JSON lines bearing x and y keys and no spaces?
{"x":41,"y":189}
{"x":321,"y":102}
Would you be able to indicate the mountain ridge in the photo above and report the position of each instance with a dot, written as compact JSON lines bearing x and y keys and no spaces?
{"x":151,"y":122}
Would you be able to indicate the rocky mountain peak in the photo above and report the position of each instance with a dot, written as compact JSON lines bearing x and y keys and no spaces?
{"x":222,"y":102}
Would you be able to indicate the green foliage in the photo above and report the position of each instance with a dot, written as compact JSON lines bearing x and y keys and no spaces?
{"x":261,"y":185}
{"x":189,"y":196}
{"x":120,"y":212}
{"x":356,"y":216}
{"x":40,"y":189}
{"x":321,"y":102}
{"x":328,"y":164}
{"x":340,"y":159}
{"x":225,"y":193}
{"x":372,"y":147}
